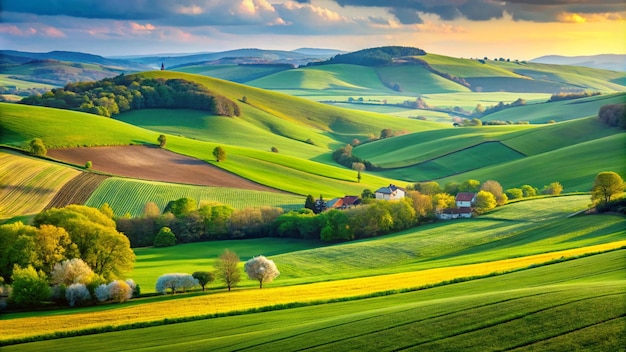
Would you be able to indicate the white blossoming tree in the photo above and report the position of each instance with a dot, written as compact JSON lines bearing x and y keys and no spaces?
{"x":175,"y":282}
{"x":261,"y":269}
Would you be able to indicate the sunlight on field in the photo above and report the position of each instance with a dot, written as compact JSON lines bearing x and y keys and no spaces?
{"x":246,"y":299}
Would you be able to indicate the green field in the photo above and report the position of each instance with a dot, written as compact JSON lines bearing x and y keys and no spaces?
{"x":130,"y":196}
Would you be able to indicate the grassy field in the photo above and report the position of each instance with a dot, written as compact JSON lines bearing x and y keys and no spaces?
{"x":130,"y":196}
{"x":28,"y":184}
{"x":487,"y":308}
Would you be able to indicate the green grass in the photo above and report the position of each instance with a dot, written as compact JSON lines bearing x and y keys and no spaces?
{"x":234,"y":73}
{"x":544,"y":306}
{"x":558,"y":111}
{"x":130,"y":196}
{"x":518,"y":229}
{"x":418,"y":80}
{"x":461,"y":161}
{"x":51,"y":125}
{"x":7,"y":81}
{"x":575,"y":167}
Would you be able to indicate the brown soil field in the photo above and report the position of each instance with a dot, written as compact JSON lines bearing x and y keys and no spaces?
{"x":154,"y":164}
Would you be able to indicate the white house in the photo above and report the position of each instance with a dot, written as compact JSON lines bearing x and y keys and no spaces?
{"x":465,"y":200}
{"x":392,"y":192}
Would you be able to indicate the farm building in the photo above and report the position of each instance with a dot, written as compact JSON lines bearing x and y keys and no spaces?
{"x":343,"y":203}
{"x":392,"y":192}
{"x":455,"y":213}
{"x":465,"y":199}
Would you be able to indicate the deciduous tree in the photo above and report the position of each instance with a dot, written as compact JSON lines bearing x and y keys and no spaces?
{"x":555,"y":188}
{"x":204,"y":278}
{"x":227,"y":270}
{"x":175,"y":282}
{"x":165,"y":238}
{"x":162,"y":140}
{"x":38,"y":148}
{"x":606,"y":185}
{"x":261,"y":269}
{"x":29,"y":287}
{"x":485,"y":201}
{"x":495,"y":188}
{"x":219,"y":153}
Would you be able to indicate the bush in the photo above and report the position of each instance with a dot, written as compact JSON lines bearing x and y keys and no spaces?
{"x":102,"y":293}
{"x":29,"y":287}
{"x":119,"y":291}
{"x":77,"y":294}
{"x":165,"y":238}
{"x":88,"y":165}
{"x":37,"y":147}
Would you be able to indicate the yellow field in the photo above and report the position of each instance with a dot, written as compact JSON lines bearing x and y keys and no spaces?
{"x":252,"y":298}
{"x":27,"y":185}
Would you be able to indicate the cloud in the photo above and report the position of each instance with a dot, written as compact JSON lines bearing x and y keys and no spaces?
{"x":410,"y":11}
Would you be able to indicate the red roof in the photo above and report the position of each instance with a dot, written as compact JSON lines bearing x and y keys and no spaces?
{"x":465,"y":197}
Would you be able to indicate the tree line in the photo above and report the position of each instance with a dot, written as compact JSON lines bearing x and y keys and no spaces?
{"x":372,"y":57}
{"x":184,"y":221}
{"x":122,"y":93}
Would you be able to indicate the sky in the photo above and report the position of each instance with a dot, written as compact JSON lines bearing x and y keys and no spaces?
{"x":515,"y":29}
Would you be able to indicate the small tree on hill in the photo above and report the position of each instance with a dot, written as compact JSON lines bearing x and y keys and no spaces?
{"x":485,"y":201}
{"x":204,"y":278}
{"x":88,"y":165}
{"x":219,"y":153}
{"x":165,"y":238}
{"x":261,"y":269}
{"x":37,"y":147}
{"x":162,"y":140}
{"x":226,"y":269}
{"x":606,"y":185}
{"x":555,"y":189}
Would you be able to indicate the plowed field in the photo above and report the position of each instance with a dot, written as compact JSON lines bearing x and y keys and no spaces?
{"x":155,"y":164}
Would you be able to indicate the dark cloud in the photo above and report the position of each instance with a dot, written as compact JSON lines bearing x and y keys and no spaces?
{"x":408,"y":11}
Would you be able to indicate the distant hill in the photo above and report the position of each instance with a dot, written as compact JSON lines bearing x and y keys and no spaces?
{"x":244,"y":56}
{"x":613,"y":62}
{"x":70,"y":56}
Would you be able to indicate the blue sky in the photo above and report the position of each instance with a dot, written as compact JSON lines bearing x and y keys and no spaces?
{"x":516,"y":29}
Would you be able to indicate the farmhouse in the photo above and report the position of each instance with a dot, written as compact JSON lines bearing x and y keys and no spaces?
{"x":463,"y":209}
{"x":392,"y":192}
{"x":343,"y":203}
{"x":465,"y":199}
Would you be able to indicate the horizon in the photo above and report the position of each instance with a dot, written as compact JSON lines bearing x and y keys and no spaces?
{"x":518,"y":29}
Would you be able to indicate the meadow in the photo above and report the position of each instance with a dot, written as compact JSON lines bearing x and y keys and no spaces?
{"x":524,"y":276}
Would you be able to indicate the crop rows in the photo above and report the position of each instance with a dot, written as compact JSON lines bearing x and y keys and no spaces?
{"x":27,"y":185}
{"x":130,"y":196}
{"x":77,"y":191}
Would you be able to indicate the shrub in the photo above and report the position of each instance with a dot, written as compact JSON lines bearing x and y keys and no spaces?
{"x":77,"y":294}
{"x":37,"y":147}
{"x":514,"y":193}
{"x":274,"y":150}
{"x":119,"y":291}
{"x":102,"y":293}
{"x":165,"y":238}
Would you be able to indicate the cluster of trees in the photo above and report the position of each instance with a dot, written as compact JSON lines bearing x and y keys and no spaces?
{"x":112,"y":96}
{"x":183,"y":221}
{"x":70,"y":282}
{"x":525,"y":191}
{"x":613,"y":115}
{"x":568,"y":96}
{"x":75,"y":231}
{"x":482,"y":111}
{"x":373,"y":56}
{"x":227,"y":270}
{"x":343,"y":155}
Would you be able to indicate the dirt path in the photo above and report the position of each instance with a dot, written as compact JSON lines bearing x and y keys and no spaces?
{"x":154,"y":164}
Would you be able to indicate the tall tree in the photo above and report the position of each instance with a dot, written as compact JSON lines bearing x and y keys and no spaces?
{"x":606,"y":185}
{"x":261,"y":269}
{"x":204,"y":278}
{"x":227,"y":270}
{"x":495,"y":188}
{"x":485,"y":201}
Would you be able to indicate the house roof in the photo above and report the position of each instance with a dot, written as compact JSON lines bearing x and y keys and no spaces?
{"x":465,"y":197}
{"x":388,"y":190}
{"x":346,"y":201}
